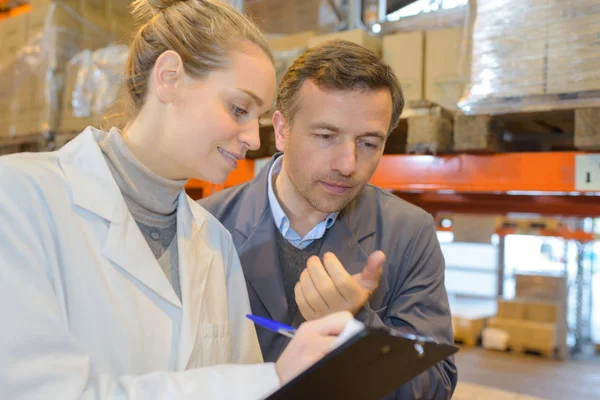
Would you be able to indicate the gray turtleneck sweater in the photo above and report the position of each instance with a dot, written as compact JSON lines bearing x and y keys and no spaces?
{"x":151,"y":200}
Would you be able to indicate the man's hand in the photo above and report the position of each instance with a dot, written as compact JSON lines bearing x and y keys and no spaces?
{"x":327,"y":287}
{"x":311,"y":342}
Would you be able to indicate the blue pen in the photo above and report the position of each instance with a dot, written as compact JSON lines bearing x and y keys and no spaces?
{"x":274,"y":326}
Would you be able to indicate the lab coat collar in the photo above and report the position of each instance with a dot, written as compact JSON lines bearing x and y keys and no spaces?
{"x":94,"y":189}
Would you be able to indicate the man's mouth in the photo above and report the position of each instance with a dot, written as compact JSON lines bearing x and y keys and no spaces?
{"x":336,"y":188}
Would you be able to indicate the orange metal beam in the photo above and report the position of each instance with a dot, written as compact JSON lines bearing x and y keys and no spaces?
{"x":244,"y":172}
{"x":541,"y":183}
{"x":488,"y":203}
{"x":497,"y":173}
{"x":22,"y":9}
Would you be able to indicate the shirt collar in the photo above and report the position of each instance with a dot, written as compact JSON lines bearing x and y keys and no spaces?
{"x":281,"y":220}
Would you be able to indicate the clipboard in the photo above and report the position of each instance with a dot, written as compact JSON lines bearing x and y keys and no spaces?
{"x":369,"y":365}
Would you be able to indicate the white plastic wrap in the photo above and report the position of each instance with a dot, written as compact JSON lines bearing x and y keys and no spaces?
{"x":94,"y":83}
{"x":533,"y":55}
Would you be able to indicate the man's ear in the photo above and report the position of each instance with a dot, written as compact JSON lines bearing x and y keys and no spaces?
{"x":279,"y":125}
{"x":166,"y":75}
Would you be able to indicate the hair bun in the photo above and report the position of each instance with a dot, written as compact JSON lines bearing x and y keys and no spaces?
{"x":143,"y":10}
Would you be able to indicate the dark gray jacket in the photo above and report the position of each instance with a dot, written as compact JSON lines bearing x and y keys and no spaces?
{"x":411,"y":296}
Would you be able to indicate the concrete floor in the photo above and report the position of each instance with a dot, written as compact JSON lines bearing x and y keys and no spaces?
{"x":529,"y":374}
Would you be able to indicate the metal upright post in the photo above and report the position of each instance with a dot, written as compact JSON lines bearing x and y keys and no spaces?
{"x":579,"y":283}
{"x":501,"y":265}
{"x":355,"y":8}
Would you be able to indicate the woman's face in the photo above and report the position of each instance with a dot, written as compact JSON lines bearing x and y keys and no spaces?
{"x":212,"y":122}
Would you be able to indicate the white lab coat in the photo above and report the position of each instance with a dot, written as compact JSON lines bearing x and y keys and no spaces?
{"x":86,"y":311}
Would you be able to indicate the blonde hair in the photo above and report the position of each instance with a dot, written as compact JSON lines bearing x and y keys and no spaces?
{"x":202,"y":32}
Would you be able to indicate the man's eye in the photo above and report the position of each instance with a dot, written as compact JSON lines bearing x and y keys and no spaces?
{"x":324,"y":136}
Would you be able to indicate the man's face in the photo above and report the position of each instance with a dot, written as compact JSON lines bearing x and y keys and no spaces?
{"x":334,"y":143}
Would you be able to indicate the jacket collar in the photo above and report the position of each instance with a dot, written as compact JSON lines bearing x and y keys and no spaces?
{"x":360,"y":214}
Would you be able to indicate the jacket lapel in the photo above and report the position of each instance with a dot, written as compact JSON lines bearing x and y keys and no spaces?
{"x":95,"y":190}
{"x":195,"y":262}
{"x":258,"y":254}
{"x":360,"y":232}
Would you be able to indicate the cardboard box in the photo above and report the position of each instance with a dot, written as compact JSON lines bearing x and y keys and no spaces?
{"x":98,"y":27}
{"x":13,"y":31}
{"x":37,"y":21}
{"x":286,"y":49}
{"x":291,"y":42}
{"x":123,"y":25}
{"x":404,"y":52}
{"x":357,"y":36}
{"x":513,"y":309}
{"x":539,"y":336}
{"x":542,"y":312}
{"x":285,"y":17}
{"x":573,"y":54}
{"x":445,"y":73}
{"x":541,"y":287}
{"x":41,"y":3}
{"x":467,"y":329}
{"x":96,"y":11}
{"x":471,"y":228}
{"x":515,"y":329}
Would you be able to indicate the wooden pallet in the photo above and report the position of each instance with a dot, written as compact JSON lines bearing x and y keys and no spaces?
{"x":467,"y":340}
{"x":19,"y":144}
{"x":429,"y":130}
{"x":564,"y":129}
{"x":546,"y":353}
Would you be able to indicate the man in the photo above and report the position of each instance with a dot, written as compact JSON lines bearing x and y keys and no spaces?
{"x":381,"y":260}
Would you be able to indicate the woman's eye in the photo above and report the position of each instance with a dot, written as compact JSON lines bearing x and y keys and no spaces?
{"x":239,"y":112}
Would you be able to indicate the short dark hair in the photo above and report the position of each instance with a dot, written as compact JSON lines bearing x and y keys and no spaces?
{"x":339,"y":65}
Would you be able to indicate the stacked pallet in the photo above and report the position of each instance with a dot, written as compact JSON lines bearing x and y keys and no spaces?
{"x":531,"y":325}
{"x":35,"y":64}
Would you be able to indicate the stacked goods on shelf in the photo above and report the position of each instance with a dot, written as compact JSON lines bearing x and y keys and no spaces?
{"x":404,"y":53}
{"x":530,"y":325}
{"x":286,"y":17}
{"x":357,"y":36}
{"x":286,"y":49}
{"x":531,"y":55}
{"x":36,"y":71}
{"x":14,"y":34}
{"x":31,"y":96}
{"x":445,"y":67}
{"x":535,"y":320}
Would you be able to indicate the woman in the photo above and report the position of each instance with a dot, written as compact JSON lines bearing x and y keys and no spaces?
{"x":113,"y":283}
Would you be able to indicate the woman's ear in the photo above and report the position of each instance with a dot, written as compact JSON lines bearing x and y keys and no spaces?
{"x":167,"y":75}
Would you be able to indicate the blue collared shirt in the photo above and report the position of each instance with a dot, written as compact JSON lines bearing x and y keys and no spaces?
{"x":283,"y":223}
